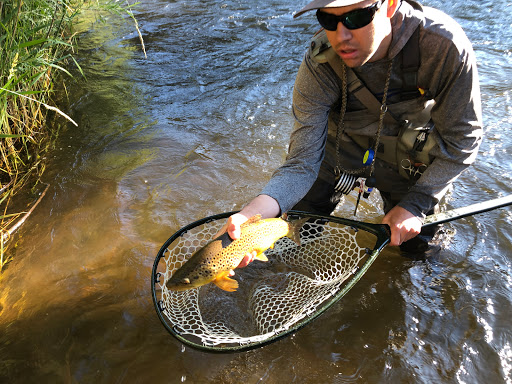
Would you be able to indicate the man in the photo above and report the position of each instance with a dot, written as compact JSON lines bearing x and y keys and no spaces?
{"x":409,"y":142}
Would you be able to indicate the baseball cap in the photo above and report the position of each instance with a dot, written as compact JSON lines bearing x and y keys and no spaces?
{"x":317,"y":4}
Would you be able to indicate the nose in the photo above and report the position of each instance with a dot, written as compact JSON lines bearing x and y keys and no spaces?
{"x":343,"y":33}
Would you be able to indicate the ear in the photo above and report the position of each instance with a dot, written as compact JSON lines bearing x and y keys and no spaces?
{"x":392,"y":7}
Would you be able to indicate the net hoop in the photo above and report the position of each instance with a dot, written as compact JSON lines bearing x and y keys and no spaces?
{"x":381,"y":233}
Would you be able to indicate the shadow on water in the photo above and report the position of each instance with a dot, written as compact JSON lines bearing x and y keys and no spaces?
{"x":197,"y":129}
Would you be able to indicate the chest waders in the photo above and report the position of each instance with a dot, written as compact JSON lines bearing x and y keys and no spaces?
{"x":407,"y":151}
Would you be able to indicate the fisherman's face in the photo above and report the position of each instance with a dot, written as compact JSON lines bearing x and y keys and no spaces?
{"x":369,"y":43}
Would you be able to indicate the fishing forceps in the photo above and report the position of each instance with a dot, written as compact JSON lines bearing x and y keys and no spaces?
{"x":414,"y":169}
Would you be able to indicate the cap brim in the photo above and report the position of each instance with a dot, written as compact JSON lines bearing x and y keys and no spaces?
{"x":317,"y":4}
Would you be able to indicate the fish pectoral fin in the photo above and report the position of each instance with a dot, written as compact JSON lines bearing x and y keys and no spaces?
{"x":261,"y":256}
{"x":225,"y":283}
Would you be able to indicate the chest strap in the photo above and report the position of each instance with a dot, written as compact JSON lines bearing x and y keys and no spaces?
{"x":409,"y":66}
{"x":356,"y":87}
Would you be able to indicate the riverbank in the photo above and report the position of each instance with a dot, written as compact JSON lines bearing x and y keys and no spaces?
{"x":38,"y":40}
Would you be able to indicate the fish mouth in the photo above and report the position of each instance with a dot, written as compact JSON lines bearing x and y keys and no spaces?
{"x":174,"y":285}
{"x":179,"y":287}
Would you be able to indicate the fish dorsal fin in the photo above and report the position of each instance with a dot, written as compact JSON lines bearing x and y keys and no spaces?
{"x":252,"y":220}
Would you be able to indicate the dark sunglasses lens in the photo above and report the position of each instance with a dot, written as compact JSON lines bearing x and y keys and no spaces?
{"x":326,"y":20}
{"x":358,"y":19}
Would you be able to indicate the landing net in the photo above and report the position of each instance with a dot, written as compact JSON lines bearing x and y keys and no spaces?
{"x":274,"y":298}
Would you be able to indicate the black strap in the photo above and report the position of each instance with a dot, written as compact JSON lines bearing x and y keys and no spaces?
{"x":410,"y":65}
{"x":356,"y":87}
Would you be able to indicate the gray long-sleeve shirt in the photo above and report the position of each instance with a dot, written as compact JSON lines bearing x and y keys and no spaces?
{"x":447,"y":70}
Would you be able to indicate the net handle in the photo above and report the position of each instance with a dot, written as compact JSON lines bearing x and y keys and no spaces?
{"x":470,"y":210}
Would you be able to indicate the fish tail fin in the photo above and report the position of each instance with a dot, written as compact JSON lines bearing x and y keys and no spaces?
{"x":294,"y":232}
{"x":225,"y":283}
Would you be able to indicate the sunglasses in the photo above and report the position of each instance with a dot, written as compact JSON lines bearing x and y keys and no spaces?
{"x":358,"y":18}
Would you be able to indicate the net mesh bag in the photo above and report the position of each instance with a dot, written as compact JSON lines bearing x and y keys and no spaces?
{"x":273,"y":297}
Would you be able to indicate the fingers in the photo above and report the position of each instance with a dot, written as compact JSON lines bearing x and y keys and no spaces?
{"x":233,"y":225}
{"x":400,"y":235}
{"x":395,"y":239}
{"x":249,"y":258}
{"x":221,"y":231}
{"x":403,"y":224}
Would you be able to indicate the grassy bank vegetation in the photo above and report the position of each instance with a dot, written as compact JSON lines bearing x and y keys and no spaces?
{"x":36,"y":44}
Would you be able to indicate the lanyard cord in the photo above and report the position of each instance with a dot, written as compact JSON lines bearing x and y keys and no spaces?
{"x":341,"y":125}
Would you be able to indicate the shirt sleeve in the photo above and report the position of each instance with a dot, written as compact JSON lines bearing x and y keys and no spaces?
{"x":316,"y":89}
{"x":457,"y":117}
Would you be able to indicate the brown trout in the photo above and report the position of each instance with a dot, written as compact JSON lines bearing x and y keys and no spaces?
{"x":215,"y":260}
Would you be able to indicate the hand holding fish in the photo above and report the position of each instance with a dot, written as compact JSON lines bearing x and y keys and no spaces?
{"x":263,"y":205}
{"x":232,"y":227}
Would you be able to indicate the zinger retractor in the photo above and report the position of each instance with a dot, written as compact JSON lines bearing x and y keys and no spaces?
{"x":345,"y":183}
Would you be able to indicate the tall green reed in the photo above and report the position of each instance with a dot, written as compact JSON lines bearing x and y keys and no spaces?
{"x":36,"y":46}
{"x":34,"y":41}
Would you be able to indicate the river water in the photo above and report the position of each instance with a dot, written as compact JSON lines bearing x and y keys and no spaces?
{"x":196,"y":129}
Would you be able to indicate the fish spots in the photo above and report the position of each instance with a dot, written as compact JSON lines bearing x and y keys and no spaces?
{"x":216,"y":259}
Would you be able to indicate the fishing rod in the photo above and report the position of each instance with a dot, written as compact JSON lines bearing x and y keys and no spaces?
{"x":470,"y":210}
